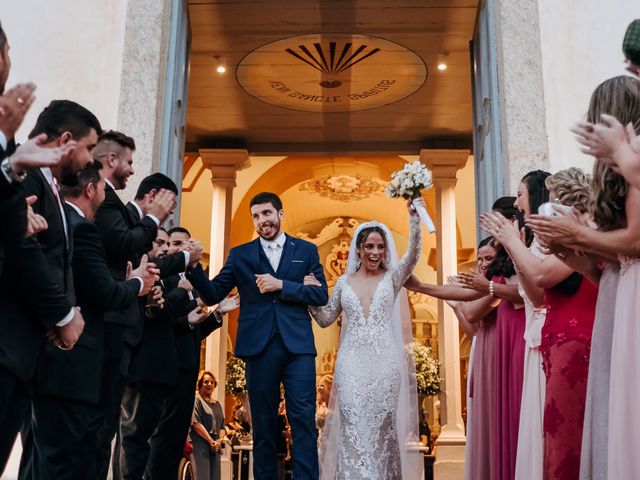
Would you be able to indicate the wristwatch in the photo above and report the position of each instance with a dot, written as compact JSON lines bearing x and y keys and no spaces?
{"x":10,"y":173}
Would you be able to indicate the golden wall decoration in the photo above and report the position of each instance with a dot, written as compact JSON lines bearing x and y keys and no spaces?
{"x":343,"y":188}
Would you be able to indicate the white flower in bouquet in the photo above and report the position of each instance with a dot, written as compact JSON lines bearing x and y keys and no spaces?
{"x":408,"y":183}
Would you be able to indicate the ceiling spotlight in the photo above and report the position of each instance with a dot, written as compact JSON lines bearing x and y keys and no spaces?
{"x":442,"y":62}
{"x":221,"y":66}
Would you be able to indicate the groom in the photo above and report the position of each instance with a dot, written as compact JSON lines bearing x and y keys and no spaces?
{"x":274,"y":332}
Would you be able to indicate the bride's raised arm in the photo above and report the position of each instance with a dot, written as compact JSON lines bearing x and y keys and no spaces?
{"x":407,"y":263}
{"x":328,"y":314}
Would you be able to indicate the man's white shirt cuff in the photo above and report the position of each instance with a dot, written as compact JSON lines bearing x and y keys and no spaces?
{"x":3,"y":140}
{"x":66,"y":319}
{"x":187,"y":257}
{"x":154,"y":218}
{"x":141,"y":284}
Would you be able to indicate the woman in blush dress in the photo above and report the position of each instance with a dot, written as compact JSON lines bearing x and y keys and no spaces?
{"x":477,"y":319}
{"x":371,"y":430}
{"x":532,"y":192}
{"x":509,"y":364}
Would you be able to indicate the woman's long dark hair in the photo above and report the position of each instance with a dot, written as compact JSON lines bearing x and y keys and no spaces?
{"x":502,"y":266}
{"x":535,"y":181}
{"x":538,"y":192}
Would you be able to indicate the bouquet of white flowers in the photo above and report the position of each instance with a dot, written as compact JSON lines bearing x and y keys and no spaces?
{"x":408,"y":183}
{"x":427,"y":367}
{"x":236,"y":383}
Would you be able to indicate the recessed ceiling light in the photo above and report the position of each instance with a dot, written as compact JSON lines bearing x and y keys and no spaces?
{"x":221,"y":65}
{"x":442,"y":62}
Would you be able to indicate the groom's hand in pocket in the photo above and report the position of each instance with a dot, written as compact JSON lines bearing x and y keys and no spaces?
{"x":268,"y":283}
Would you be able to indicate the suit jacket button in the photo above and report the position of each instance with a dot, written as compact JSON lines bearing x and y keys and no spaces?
{"x":275,"y":300}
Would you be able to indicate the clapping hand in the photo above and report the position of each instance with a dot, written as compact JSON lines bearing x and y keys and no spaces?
{"x":159,"y":205}
{"x":184,"y":283}
{"x":474,"y":281}
{"x":603,"y":139}
{"x":194,"y":247}
{"x":31,"y":154}
{"x":155,"y":298}
{"x":14,"y":105}
{"x":562,"y":228}
{"x":197,"y":315}
{"x":268,"y":283}
{"x":501,"y":229}
{"x":228,"y":304}
{"x":146,"y":271}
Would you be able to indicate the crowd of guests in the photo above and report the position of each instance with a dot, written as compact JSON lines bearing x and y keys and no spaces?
{"x":100,"y":350}
{"x":553,"y":309}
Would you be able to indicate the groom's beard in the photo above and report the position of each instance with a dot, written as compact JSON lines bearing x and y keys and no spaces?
{"x":275,"y":227}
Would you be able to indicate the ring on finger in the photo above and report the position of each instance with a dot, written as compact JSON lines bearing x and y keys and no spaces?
{"x":20,"y":100}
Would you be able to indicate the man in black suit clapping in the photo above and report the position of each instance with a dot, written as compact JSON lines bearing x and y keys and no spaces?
{"x":128,"y":232}
{"x":65,"y":409}
{"x":36,"y":287}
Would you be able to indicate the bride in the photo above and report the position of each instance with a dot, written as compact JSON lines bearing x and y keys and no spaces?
{"x":371,"y":429}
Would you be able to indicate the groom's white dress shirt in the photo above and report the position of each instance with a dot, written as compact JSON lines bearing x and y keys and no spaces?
{"x":273,"y":249}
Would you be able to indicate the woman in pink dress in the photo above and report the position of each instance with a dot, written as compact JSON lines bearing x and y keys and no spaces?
{"x":509,"y":356}
{"x":532,"y":192}
{"x":476,"y":311}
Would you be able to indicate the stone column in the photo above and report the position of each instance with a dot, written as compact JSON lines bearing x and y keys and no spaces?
{"x":522,"y":107}
{"x":223,"y":163}
{"x":142,"y":83}
{"x":444,"y":165}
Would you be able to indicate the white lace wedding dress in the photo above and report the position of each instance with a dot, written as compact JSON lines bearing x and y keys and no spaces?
{"x":372,"y":420}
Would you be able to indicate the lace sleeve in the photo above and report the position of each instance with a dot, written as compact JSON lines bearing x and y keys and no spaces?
{"x":407,"y":263}
{"x":328,"y":314}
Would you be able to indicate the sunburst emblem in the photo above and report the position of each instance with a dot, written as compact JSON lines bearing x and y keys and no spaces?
{"x":330,"y":61}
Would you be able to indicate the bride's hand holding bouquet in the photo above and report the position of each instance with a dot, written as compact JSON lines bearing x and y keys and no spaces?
{"x":408,"y":183}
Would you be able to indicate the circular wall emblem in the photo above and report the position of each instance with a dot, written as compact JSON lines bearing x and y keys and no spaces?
{"x":331,"y":73}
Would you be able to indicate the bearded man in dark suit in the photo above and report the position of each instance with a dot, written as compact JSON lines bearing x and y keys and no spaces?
{"x":36,"y":287}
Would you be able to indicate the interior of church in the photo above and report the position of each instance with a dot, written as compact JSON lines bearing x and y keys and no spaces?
{"x":320,"y":106}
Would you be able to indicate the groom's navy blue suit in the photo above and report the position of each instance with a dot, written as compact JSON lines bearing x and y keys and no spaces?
{"x":276,"y":341}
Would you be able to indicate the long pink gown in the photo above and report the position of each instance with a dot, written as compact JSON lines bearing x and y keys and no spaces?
{"x":509,"y":371}
{"x":624,"y":423}
{"x":481,"y":428}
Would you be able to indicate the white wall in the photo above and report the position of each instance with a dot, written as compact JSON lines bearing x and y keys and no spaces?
{"x":581,"y":44}
{"x":71,"y":49}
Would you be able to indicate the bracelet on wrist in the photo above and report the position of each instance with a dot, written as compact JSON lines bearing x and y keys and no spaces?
{"x":10,"y":172}
{"x":491,"y":292}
